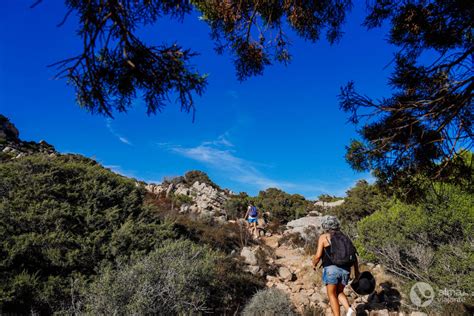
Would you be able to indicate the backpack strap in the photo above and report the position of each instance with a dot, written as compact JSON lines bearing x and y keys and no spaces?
{"x":324,"y":249}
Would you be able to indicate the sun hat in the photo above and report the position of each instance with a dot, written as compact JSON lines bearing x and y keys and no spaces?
{"x":330,"y":223}
{"x":364,"y":284}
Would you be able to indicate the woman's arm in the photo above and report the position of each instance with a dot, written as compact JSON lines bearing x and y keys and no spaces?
{"x":319,"y":252}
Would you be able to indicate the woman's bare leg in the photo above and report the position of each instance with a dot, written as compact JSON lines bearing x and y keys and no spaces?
{"x":332,"y":294}
{"x":342,"y":297}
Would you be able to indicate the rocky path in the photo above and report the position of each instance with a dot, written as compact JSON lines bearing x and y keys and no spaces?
{"x":297,"y":277}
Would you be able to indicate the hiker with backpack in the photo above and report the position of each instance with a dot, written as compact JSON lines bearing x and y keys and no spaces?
{"x":252,"y":218}
{"x":338,"y":255}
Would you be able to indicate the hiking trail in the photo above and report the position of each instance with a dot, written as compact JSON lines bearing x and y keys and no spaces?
{"x":297,"y":277}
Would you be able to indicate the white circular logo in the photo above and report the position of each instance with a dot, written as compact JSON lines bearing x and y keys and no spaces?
{"x":422,"y":294}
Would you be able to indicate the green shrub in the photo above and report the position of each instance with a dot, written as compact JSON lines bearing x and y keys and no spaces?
{"x":329,"y":198}
{"x":236,"y":206}
{"x":282,"y":206}
{"x":269,"y":302}
{"x":429,"y":241}
{"x":61,"y":218}
{"x":227,"y":237}
{"x":180,"y":199}
{"x":362,"y":200}
{"x":176,"y":278}
{"x":195,"y":175}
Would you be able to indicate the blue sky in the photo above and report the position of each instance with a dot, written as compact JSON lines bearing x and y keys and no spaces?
{"x":283,"y":129}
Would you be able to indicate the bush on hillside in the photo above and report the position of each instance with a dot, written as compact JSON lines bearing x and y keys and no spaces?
{"x":61,"y":218}
{"x":225,"y":236}
{"x":283,"y":206}
{"x":236,"y":206}
{"x":362,"y":200}
{"x":177,"y":278}
{"x":329,"y":198}
{"x":430,"y":241}
{"x":269,"y":302}
{"x":198,"y":176}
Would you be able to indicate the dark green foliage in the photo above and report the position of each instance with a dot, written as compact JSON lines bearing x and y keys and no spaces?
{"x":361,"y":201}
{"x":116,"y":65}
{"x":198,"y":176}
{"x":236,"y":206}
{"x":65,"y":219}
{"x":428,"y":118}
{"x":8,"y":131}
{"x":429,"y":241}
{"x":60,"y":219}
{"x":180,"y":199}
{"x":329,"y":198}
{"x":282,"y":206}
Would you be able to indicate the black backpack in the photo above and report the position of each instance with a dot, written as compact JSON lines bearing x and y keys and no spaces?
{"x":343,"y":252}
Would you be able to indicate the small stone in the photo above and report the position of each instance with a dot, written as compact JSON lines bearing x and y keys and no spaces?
{"x":316,"y":297}
{"x":271,"y":278}
{"x":418,"y":314}
{"x":382,"y":312}
{"x":249,"y":256}
{"x":285,"y":274}
{"x":282,"y":287}
{"x":296,"y":288}
{"x":300,"y":299}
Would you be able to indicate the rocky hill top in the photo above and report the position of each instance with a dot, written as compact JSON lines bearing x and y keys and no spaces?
{"x":198,"y":194}
{"x":12,"y":147}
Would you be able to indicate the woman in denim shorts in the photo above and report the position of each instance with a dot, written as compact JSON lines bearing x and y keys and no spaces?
{"x":334,"y":277}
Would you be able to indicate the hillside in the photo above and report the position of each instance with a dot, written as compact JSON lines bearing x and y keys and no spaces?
{"x":77,"y":238}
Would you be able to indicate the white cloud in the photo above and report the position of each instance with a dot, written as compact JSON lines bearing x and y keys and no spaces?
{"x":124,"y":140}
{"x":220,"y":155}
{"x":117,"y":135}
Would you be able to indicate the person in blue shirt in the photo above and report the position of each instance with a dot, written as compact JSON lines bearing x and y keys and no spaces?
{"x":252,"y":218}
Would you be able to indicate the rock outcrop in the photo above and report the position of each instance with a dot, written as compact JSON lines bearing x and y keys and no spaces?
{"x":305,"y":226}
{"x":203,"y":199}
{"x":12,"y":147}
{"x":327,"y":205}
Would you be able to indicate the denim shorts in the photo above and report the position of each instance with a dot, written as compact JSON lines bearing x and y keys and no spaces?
{"x":335,"y":275}
{"x":252,"y":220}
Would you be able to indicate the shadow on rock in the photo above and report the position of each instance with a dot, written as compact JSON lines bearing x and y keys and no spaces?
{"x":387,"y":298}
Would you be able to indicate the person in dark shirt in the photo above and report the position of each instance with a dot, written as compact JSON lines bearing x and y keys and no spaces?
{"x":334,"y":277}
